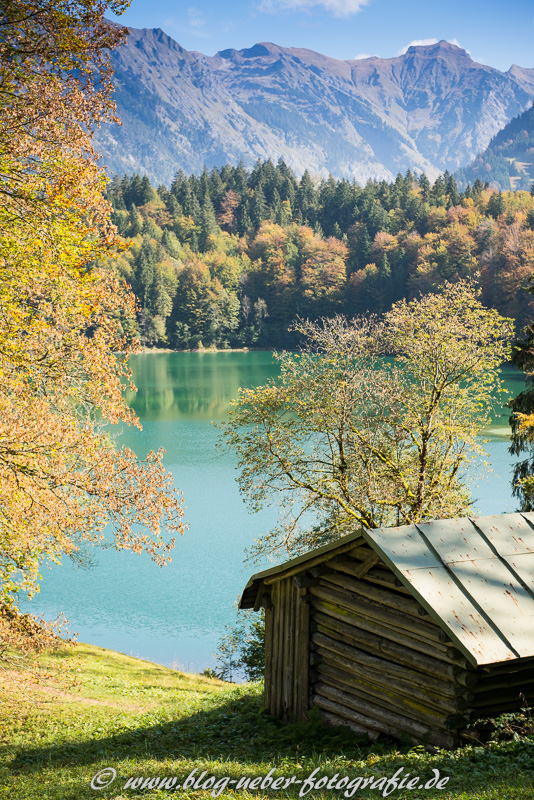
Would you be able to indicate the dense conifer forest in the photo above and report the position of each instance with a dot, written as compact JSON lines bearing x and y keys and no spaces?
{"x":229,"y":257}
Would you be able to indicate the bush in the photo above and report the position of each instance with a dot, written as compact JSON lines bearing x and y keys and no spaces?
{"x":241,"y":650}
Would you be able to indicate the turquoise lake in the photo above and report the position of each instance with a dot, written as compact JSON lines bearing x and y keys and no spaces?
{"x":175,"y":615}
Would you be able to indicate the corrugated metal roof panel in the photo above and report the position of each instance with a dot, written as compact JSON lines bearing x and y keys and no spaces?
{"x":455,"y":540}
{"x":523,"y":566}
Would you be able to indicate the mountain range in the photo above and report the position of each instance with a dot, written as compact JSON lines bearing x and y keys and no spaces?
{"x":431,"y":109}
{"x":508,"y":161}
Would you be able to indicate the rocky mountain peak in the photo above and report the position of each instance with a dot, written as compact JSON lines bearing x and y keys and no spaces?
{"x":432,"y":108}
{"x":437,"y":50}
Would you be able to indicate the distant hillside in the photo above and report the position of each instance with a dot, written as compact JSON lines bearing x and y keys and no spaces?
{"x":431,"y":109}
{"x":508,"y":161}
{"x":228,"y":258}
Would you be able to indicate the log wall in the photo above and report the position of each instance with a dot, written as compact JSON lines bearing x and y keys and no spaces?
{"x":344,"y":635}
{"x":378,"y":661}
{"x":504,"y":687}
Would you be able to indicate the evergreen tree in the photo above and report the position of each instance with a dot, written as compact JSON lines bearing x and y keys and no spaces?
{"x":135,"y":222}
{"x":477,"y":188}
{"x":259,"y":210}
{"x":136,"y":190}
{"x":144,"y":272}
{"x":208,"y":223}
{"x":192,"y":206}
{"x":146,"y":192}
{"x":452,"y":191}
{"x":170,"y":243}
{"x":307,"y":199}
{"x":179,"y":186}
{"x":424,"y":185}
{"x":378,"y":219}
{"x":496,"y":205}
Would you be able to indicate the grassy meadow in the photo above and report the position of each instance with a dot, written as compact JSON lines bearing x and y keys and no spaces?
{"x":89,"y":709}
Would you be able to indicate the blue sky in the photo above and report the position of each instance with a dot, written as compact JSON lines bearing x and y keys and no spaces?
{"x":495,"y":32}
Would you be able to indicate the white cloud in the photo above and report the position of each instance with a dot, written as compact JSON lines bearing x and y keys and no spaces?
{"x":364,"y":55}
{"x":339,"y":8}
{"x":196,"y":18}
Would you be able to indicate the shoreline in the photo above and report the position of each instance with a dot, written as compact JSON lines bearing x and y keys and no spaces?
{"x":145,"y":350}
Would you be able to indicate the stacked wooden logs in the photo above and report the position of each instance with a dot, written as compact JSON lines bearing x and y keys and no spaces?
{"x":378,"y":662}
{"x":504,"y":687}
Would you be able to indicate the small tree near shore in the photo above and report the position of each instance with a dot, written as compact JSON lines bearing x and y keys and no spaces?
{"x":373,"y":422}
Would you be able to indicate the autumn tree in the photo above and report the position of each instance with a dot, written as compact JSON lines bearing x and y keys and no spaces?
{"x":63,"y":338}
{"x":350,"y":438}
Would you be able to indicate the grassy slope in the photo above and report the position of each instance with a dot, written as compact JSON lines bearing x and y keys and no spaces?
{"x":143,"y":719}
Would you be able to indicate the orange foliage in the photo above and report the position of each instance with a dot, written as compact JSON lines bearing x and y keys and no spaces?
{"x":63,"y":355}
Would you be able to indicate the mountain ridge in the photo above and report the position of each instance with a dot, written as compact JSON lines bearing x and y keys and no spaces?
{"x":508,"y":161}
{"x":429,"y":109}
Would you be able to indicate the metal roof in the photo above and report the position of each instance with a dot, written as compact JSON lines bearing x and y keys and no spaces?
{"x":475,"y":577}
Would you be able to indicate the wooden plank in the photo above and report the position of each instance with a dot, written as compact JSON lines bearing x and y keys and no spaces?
{"x":304,"y":562}
{"x":505,"y":601}
{"x":301,"y":656}
{"x":341,"y":713}
{"x":380,"y":576}
{"x":437,"y":651}
{"x":268,"y":658}
{"x":287,"y":633}
{"x":473,"y":634}
{"x":376,"y":664}
{"x":413,"y":704}
{"x":444,"y":674}
{"x":386,"y":717}
{"x":439,"y":738}
{"x":366,"y":565}
{"x":279,"y":651}
{"x":332,"y":720}
{"x":410,"y":625}
{"x":381,"y":596}
{"x":357,"y":673}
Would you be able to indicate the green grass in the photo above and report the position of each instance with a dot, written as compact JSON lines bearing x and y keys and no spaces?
{"x":146,"y":720}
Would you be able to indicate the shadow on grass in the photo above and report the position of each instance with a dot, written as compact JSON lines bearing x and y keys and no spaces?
{"x":236,"y":729}
{"x":236,"y":738}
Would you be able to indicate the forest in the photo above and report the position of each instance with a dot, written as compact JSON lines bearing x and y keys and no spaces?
{"x":230,"y":257}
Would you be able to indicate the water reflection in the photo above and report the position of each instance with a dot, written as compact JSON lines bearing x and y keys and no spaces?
{"x":194,"y":385}
{"x":176,"y":615}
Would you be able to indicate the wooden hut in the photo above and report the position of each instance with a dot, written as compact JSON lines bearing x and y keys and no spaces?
{"x":413,"y":631}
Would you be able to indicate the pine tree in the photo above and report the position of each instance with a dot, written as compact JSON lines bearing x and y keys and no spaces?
{"x":259,"y":210}
{"x":144,"y":272}
{"x":307,"y":200}
{"x":135,"y":221}
{"x":208,"y":223}
{"x":147,"y":193}
{"x":424,"y":185}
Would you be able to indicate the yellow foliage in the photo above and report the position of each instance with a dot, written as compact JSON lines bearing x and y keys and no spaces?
{"x":63,"y":358}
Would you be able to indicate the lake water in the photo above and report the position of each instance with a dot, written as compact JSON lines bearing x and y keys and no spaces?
{"x":176,"y":615}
